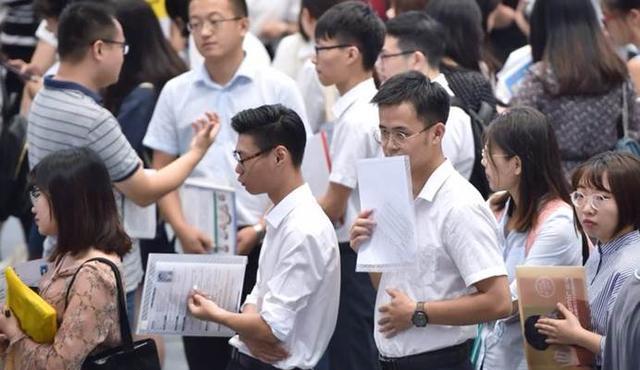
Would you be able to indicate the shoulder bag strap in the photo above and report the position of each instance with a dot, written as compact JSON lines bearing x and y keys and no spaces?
{"x":547,"y":210}
{"x":125,"y":329}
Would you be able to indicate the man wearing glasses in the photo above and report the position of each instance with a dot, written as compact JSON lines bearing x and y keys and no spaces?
{"x":425,"y":314}
{"x":67,"y":112}
{"x":349,"y":37}
{"x":227,"y":82}
{"x":415,"y":42}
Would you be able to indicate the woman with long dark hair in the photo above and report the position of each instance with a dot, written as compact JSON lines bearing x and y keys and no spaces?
{"x":72,"y":198}
{"x":577,"y":80}
{"x":149,"y":64}
{"x":535,"y":218}
{"x":462,"y":20}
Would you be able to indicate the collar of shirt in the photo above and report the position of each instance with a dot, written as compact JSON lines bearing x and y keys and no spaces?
{"x":246,"y":71}
{"x":442,"y":81}
{"x":364,"y":88}
{"x":613,"y":246}
{"x":275,"y":216}
{"x":50,"y":83}
{"x":435,"y":181}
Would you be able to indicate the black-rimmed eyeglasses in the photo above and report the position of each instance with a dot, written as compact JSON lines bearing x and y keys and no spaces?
{"x":122,"y":44}
{"x":241,"y":161}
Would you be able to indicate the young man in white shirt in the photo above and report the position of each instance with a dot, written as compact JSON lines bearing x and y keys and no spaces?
{"x":227,"y":82}
{"x":415,"y":42}
{"x":287,"y":320}
{"x":425,"y":315}
{"x":349,"y":37}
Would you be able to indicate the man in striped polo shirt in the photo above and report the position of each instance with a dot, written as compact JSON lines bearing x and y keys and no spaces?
{"x":67,"y":112}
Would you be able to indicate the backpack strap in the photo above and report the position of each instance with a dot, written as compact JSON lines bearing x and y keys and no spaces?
{"x":548,"y":209}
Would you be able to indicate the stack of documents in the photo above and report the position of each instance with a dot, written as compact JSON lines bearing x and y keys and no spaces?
{"x":37,"y":318}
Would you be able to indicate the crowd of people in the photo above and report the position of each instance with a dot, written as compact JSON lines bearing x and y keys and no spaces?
{"x":519,"y":119}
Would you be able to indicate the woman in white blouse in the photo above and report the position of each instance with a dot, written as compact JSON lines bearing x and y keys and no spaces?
{"x":535,"y":219}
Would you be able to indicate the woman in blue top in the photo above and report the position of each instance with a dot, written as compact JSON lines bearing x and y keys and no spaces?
{"x":606,"y":200}
{"x":536,"y":225}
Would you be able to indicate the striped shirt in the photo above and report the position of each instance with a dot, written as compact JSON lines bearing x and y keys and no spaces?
{"x":67,"y":115}
{"x":608,"y":268}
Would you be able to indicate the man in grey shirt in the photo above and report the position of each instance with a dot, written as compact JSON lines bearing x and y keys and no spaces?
{"x":623,"y":333}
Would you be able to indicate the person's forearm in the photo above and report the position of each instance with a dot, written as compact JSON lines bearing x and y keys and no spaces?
{"x":249,"y":325}
{"x":170,"y":177}
{"x":589,"y":340}
{"x":171,"y":210}
{"x":468,"y":310}
{"x":375,"y":279}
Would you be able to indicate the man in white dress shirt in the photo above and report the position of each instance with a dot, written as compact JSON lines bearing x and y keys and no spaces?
{"x":415,"y":42}
{"x":349,"y":37}
{"x":289,"y":317}
{"x":426,"y":315}
{"x":227,"y":82}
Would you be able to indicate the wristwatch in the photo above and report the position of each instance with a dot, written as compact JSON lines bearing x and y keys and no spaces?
{"x":420,"y":317}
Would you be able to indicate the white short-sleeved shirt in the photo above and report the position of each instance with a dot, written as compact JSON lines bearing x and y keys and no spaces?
{"x":297,"y":290}
{"x":261,"y":11}
{"x":457,"y":143}
{"x":186,"y":97}
{"x":457,"y":247}
{"x":353,"y":139}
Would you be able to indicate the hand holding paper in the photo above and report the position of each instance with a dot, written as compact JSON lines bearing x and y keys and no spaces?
{"x":362,"y":229}
{"x":203,"y":307}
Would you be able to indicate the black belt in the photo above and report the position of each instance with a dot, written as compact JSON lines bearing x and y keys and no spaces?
{"x":251,"y":363}
{"x":450,"y":355}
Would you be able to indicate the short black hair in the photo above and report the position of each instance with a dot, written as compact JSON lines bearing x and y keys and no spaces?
{"x":429,"y":99}
{"x":80,"y":25}
{"x":273,"y":125}
{"x":53,"y":8}
{"x":317,"y":8}
{"x":240,"y":8}
{"x":357,"y":23}
{"x":415,"y":30}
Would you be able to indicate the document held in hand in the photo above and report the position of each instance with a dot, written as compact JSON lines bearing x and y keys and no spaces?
{"x":37,"y":318}
{"x":212,"y":209}
{"x":540,"y":288}
{"x":168,"y":282}
{"x":385,"y":187}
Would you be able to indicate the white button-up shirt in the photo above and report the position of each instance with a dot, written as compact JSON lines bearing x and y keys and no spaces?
{"x":457,"y":247}
{"x":186,"y":98}
{"x":457,"y":143}
{"x":353,"y":139}
{"x":298,"y":285}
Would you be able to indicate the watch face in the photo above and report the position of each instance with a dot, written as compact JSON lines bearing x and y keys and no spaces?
{"x":419,"y":319}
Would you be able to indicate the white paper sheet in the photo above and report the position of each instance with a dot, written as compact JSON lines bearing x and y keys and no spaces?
{"x":211,"y":209}
{"x":316,"y":165}
{"x":385,"y":188}
{"x":170,"y":278}
{"x":139,"y":222}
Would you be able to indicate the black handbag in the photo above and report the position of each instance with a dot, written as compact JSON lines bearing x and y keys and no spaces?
{"x":140,"y":355}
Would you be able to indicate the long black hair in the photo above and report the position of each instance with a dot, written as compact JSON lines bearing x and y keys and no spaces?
{"x":150,"y":58}
{"x":526,"y":133}
{"x":567,"y":38}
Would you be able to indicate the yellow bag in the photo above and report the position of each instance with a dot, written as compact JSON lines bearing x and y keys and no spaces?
{"x":37,"y":318}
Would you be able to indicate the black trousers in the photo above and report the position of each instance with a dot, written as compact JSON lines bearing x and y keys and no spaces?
{"x":457,"y":357}
{"x":214,"y":353}
{"x":240,"y":361}
{"x":352,"y":346}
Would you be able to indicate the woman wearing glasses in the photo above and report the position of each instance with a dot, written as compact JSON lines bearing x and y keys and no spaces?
{"x":73,"y":200}
{"x":536,"y":223}
{"x":606,"y":200}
